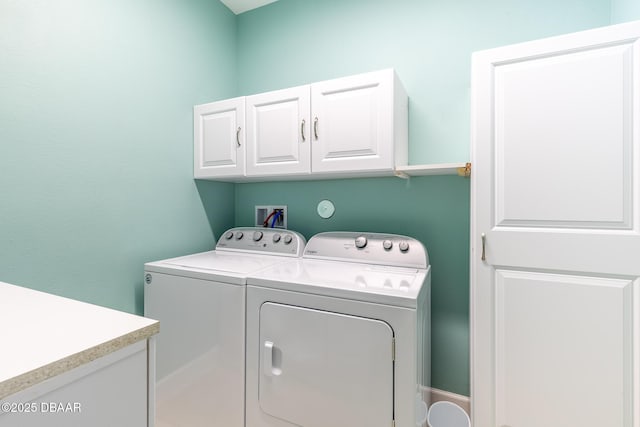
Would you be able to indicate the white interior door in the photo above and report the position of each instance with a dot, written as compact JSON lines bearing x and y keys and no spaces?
{"x":556,"y":193}
{"x":322,"y":369}
{"x":278,"y":132}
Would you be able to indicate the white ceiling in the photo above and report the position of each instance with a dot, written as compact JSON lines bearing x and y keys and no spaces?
{"x":239,"y":6}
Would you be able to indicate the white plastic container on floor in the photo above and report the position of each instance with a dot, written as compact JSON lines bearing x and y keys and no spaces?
{"x":447,"y":414}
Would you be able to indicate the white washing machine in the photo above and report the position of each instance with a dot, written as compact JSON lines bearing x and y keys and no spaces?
{"x":341,"y":336}
{"x":200,"y":302}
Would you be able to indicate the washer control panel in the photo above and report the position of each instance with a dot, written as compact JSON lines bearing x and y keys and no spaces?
{"x":372,"y":248}
{"x":262,"y":240}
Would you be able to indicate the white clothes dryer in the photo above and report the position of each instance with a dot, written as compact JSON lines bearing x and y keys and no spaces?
{"x":341,"y":336}
{"x":200,"y":302}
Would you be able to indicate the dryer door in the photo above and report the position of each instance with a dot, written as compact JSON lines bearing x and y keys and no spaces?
{"x":319,"y":368}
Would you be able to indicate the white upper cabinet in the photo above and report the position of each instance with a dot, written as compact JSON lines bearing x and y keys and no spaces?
{"x":278,"y":132}
{"x":352,"y":126}
{"x":359,"y":123}
{"x":218,"y":134}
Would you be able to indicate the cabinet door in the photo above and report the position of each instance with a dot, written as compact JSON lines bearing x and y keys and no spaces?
{"x":556,"y":232}
{"x":357,"y":122}
{"x":323,"y":369}
{"x":218,"y":132}
{"x":88,"y":394}
{"x":278,"y":134}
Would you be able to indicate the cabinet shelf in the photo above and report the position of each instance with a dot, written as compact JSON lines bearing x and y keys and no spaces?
{"x":460,"y":169}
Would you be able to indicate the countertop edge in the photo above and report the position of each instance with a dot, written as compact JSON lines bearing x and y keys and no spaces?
{"x":36,"y":376}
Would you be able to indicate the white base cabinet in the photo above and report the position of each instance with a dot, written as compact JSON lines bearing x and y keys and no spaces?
{"x":114,"y":390}
{"x":351,"y":126}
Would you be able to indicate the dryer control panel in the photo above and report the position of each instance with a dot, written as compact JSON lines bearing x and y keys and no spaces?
{"x":262,"y":240}
{"x":372,"y":248}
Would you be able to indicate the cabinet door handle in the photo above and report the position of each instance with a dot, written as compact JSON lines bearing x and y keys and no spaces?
{"x":238,"y":136}
{"x":302,"y":131}
{"x":315,"y":127}
{"x":483,"y":237}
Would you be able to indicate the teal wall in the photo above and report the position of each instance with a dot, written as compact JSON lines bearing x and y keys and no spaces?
{"x":435,"y":210}
{"x":624,"y":11}
{"x":96,"y":173}
{"x":429,"y":43}
{"x":96,"y":139}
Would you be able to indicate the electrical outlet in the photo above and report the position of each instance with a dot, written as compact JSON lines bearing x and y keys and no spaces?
{"x":271,"y":216}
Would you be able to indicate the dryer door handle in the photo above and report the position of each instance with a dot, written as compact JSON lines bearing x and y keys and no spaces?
{"x":271,"y":360}
{"x":267,"y":358}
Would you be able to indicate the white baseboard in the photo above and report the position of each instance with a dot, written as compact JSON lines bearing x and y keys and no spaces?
{"x":432,"y":395}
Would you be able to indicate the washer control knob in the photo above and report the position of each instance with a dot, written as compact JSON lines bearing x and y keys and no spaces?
{"x":257,"y":235}
{"x":276,"y":238}
{"x":387,"y":245}
{"x":287,"y":239}
{"x":239,"y":235}
{"x":229,"y":235}
{"x":404,"y":246}
{"x":361,"y":242}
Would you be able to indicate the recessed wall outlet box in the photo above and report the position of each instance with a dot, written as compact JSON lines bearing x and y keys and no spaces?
{"x":271,"y":216}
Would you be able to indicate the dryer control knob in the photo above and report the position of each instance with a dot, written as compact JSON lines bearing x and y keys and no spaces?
{"x":257,"y":235}
{"x":361,"y":242}
{"x":276,"y":238}
{"x":288,"y":239}
{"x":239,"y":235}
{"x":387,"y":245}
{"x":229,"y":235}
{"x":404,"y":246}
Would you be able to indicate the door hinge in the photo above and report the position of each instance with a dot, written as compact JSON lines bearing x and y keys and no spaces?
{"x":393,"y":423}
{"x":393,"y":349}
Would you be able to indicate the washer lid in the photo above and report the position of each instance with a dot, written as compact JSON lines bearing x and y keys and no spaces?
{"x":221,"y":266}
{"x":399,"y":286}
